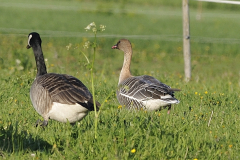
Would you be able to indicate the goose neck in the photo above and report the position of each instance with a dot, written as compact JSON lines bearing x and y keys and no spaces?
{"x":125,"y":72}
{"x":39,"y":58}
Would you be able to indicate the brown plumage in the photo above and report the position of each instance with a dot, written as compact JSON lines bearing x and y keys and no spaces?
{"x":141,"y":92}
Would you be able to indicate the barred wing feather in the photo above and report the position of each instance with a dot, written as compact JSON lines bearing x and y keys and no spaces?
{"x":135,"y":91}
{"x":66,"y":89}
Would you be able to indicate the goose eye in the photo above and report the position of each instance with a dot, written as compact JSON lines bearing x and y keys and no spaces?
{"x":29,"y":38}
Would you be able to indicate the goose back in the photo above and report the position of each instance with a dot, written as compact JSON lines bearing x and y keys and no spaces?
{"x":60,"y":88}
{"x":145,"y":92}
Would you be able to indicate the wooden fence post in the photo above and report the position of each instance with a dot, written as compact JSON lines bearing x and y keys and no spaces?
{"x":186,"y":40}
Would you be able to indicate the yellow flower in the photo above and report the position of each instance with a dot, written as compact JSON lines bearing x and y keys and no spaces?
{"x":179,"y":49}
{"x":120,"y":106}
{"x":206,"y":92}
{"x":230,"y":146}
{"x":133,"y":150}
{"x":196,"y":93}
{"x":195,"y":159}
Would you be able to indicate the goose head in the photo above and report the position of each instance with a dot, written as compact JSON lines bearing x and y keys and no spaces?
{"x":33,"y":39}
{"x":123,"y":45}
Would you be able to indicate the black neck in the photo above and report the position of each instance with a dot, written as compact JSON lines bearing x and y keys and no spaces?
{"x":41,"y":67}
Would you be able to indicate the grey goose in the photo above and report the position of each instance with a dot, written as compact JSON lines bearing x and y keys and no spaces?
{"x":141,"y":92}
{"x":60,"y":97}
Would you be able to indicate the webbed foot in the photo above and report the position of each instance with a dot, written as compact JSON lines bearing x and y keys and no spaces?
{"x":41,"y":123}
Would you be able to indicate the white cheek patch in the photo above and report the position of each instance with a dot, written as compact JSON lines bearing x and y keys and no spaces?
{"x":29,"y":38}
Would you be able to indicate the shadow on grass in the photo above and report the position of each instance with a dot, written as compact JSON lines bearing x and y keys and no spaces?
{"x":12,"y":140}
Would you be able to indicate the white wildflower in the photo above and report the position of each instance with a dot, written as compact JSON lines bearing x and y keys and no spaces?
{"x":102,"y":27}
{"x":88,"y":28}
{"x":33,"y":154}
{"x":94,"y":29}
{"x":18,"y":66}
{"x":86,"y":45}
{"x":69,"y":46}
{"x":76,"y":47}
{"x":18,"y":61}
{"x":90,"y":25}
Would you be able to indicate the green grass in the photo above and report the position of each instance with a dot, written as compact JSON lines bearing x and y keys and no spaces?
{"x":204,"y":125}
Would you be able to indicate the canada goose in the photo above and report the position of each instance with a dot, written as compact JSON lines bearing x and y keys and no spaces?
{"x":54,"y":96}
{"x":141,"y":92}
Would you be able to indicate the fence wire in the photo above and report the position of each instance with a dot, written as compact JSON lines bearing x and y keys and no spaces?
{"x":171,"y":38}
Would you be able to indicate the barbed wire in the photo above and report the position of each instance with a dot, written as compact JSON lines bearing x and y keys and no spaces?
{"x":93,"y":7}
{"x":171,"y":38}
{"x":221,"y":1}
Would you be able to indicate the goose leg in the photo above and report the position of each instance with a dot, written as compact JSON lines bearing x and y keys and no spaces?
{"x":169,"y":109}
{"x":45,"y":123}
{"x":37,"y":122}
{"x":41,"y":123}
{"x":72,"y":124}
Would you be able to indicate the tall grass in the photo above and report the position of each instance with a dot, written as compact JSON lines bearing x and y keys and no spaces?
{"x":205,"y":125}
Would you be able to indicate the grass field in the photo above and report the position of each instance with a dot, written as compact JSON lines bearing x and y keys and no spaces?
{"x":204,"y":125}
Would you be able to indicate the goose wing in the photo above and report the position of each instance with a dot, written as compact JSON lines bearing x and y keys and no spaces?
{"x":143,"y":88}
{"x":66,"y":89}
